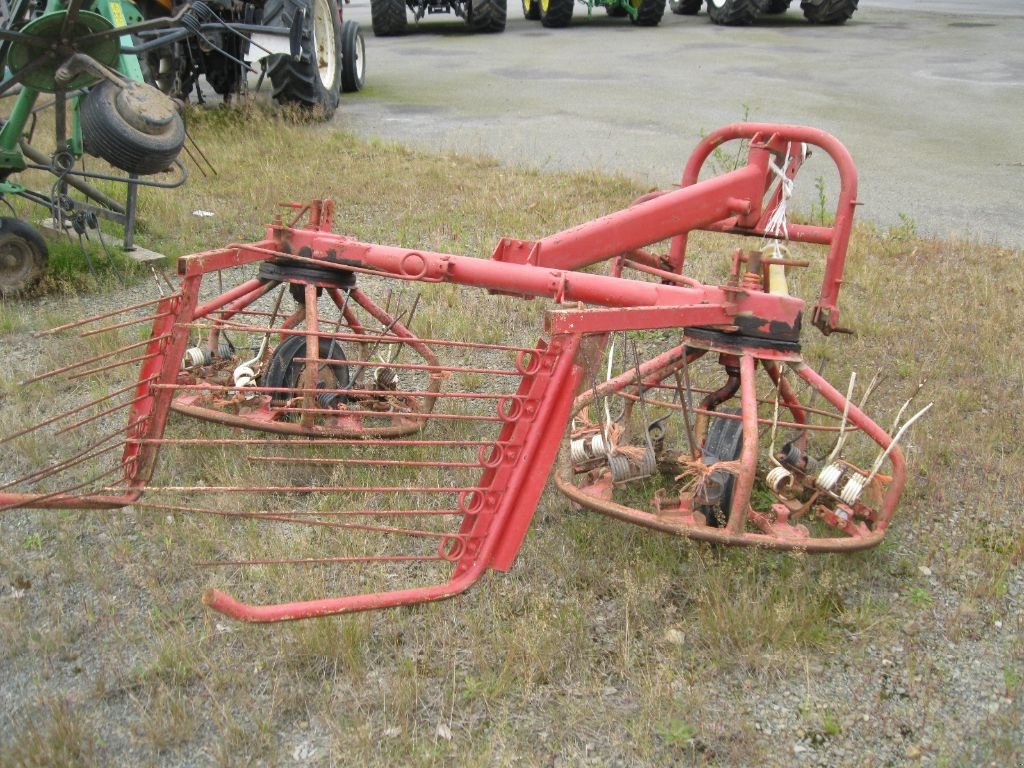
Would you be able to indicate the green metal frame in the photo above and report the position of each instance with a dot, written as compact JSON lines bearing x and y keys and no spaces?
{"x":101,"y":14}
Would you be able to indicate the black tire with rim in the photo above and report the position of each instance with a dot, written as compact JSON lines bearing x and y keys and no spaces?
{"x":135,"y":128}
{"x":829,"y":11}
{"x":648,"y":12}
{"x":733,"y":13}
{"x":556,"y":13}
{"x":314,"y":81}
{"x":775,"y":6}
{"x":23,"y":257}
{"x":286,"y":368}
{"x":388,"y":17}
{"x":531,"y":10}
{"x":353,"y":58}
{"x":487,"y":16}
{"x":684,"y":7}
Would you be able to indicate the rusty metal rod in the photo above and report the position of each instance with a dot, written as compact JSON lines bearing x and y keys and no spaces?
{"x":105,"y":315}
{"x":125,"y":324}
{"x":286,"y":518}
{"x":111,"y":366}
{"x":101,"y":414}
{"x":97,"y":358}
{"x":79,"y":409}
{"x":325,"y":560}
{"x":366,"y":462}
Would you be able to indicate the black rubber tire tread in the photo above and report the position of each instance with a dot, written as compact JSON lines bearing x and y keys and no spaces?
{"x":531,"y":10}
{"x":734,"y":13}
{"x":388,"y":17}
{"x":772,"y":7}
{"x":559,"y":13}
{"x":488,"y":16}
{"x":649,"y":13}
{"x":616,"y":11}
{"x":685,"y":7}
{"x":298,"y":82}
{"x":283,"y":370}
{"x":28,"y":249}
{"x":108,"y":135}
{"x":830,"y":11}
{"x":724,"y":442}
{"x":353,"y":48}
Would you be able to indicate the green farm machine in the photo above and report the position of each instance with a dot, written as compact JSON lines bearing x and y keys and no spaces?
{"x":115,"y":74}
{"x":558,"y":13}
{"x":738,"y":13}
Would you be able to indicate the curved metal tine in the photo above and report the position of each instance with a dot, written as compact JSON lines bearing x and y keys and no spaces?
{"x":28,"y":69}
{"x":143,"y":26}
{"x":33,"y":40}
{"x":70,"y":17}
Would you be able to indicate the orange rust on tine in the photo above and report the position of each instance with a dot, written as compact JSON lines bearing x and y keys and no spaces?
{"x":104,"y":316}
{"x":89,"y":361}
{"x":125,"y":324}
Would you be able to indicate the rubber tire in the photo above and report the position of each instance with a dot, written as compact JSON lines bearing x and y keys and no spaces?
{"x":108,"y":135}
{"x":531,"y":10}
{"x":685,"y":7}
{"x":26,"y":248}
{"x":299,"y":82}
{"x":284,"y":370}
{"x":558,"y":14}
{"x":649,"y":13}
{"x":724,"y":442}
{"x":773,"y":7}
{"x":388,"y":17}
{"x":830,"y":11}
{"x":616,"y":11}
{"x":733,"y":13}
{"x":353,"y":58}
{"x":487,"y":16}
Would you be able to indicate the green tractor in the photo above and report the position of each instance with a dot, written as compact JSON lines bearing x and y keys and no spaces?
{"x":389,"y":18}
{"x":558,"y":13}
{"x":739,"y":13}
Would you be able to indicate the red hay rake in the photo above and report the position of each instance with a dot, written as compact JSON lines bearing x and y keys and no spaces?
{"x":417,"y":461}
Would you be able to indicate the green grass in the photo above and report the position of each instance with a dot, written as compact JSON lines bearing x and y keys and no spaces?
{"x":605,"y":643}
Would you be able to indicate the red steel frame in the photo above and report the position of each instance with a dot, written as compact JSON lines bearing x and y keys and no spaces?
{"x":497,"y":513}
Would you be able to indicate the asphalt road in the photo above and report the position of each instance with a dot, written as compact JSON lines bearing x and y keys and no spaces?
{"x":928,"y":95}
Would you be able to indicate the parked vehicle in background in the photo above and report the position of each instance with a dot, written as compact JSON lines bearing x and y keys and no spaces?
{"x":310,"y":54}
{"x":558,"y":13}
{"x":389,"y":19}
{"x":737,"y":13}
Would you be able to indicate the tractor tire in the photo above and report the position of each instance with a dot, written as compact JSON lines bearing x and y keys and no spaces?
{"x":685,"y":7}
{"x":23,"y":257}
{"x":353,"y":58}
{"x":531,"y":10}
{"x":648,"y":12}
{"x":388,"y":17}
{"x":616,"y":11}
{"x":487,"y":16}
{"x":829,"y":11}
{"x":314,"y":81}
{"x":773,"y":7}
{"x":111,"y":117}
{"x":733,"y":13}
{"x":556,"y":13}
